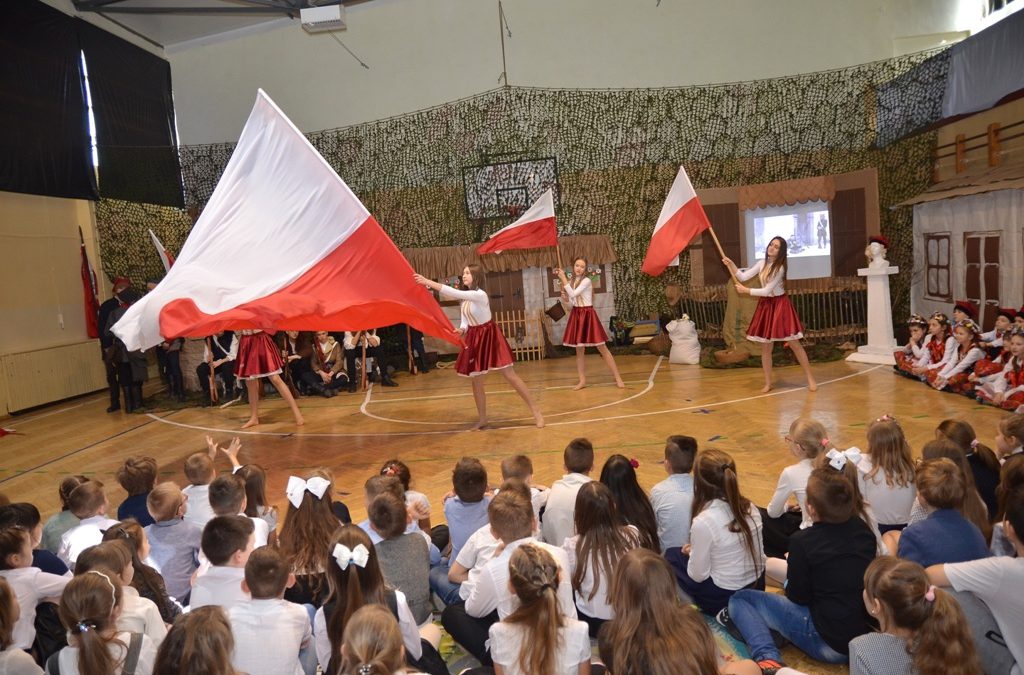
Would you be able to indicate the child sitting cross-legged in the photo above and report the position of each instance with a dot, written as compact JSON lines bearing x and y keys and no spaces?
{"x":465,"y":509}
{"x":174,"y":542}
{"x":404,"y":556}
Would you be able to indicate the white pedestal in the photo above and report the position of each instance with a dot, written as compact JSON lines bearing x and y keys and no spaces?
{"x":881,"y":341}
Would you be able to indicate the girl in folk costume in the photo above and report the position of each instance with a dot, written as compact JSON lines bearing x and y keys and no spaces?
{"x":1006,"y":390}
{"x":774,"y":320}
{"x":584,"y":329}
{"x":914,"y":353}
{"x":958,"y":364}
{"x":992,"y":341}
{"x":259,"y":357}
{"x":938,"y":344}
{"x":996,"y":344}
{"x":485,"y":346}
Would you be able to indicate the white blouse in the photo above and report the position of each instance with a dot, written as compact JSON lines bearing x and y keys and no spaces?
{"x":956,"y":364}
{"x":772,"y":286}
{"x":582,"y":295}
{"x":506,"y":641}
{"x":599,"y":606}
{"x":476,"y":306}
{"x":792,"y":481}
{"x":889,"y":505}
{"x":1002,"y":384}
{"x":720,"y":554}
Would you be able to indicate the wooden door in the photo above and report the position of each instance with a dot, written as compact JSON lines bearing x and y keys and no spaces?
{"x":981,"y":282}
{"x":506,"y":291}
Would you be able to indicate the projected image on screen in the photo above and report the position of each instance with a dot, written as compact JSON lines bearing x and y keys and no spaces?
{"x":806,"y":229}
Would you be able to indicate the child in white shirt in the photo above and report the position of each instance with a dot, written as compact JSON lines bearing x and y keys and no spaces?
{"x":227,"y":498}
{"x":29,"y":584}
{"x":557,"y":523}
{"x":227,"y":543}
{"x":200,"y":472}
{"x":137,"y":615}
{"x":89,"y":503}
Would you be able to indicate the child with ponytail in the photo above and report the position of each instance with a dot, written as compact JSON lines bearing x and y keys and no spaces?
{"x":982,"y":460}
{"x":922,"y":629}
{"x":725,"y":553}
{"x":886,"y":474}
{"x":89,"y":609}
{"x":372,"y":644}
{"x":536,"y":639}
{"x":199,"y":643}
{"x":1010,"y":438}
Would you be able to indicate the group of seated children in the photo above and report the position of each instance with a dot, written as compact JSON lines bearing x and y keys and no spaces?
{"x":890,"y":565}
{"x":960,"y":358}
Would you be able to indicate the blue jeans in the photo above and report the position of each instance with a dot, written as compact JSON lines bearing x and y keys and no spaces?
{"x":445,"y":590}
{"x":757,"y":613}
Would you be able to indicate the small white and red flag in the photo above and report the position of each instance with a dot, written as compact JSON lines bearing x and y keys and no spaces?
{"x":165,"y":256}
{"x":682,"y":218}
{"x":534,"y":229}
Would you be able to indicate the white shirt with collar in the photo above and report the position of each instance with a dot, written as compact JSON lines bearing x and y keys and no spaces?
{"x":722,"y":555}
{"x":672,"y":500}
{"x":561,"y":508}
{"x":792,"y":481}
{"x":68,"y":659}
{"x":406,"y":624}
{"x":140,"y":615}
{"x":219,"y":585}
{"x":88,"y":532}
{"x":489,"y":590}
{"x":198,"y":509}
{"x":31,"y":585}
{"x":269,"y":633}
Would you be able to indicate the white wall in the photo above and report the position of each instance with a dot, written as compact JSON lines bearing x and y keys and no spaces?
{"x":427,"y":52}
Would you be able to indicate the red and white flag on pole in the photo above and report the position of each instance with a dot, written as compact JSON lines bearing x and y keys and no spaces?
{"x":165,"y":256}
{"x":682,"y":218}
{"x":282,"y":244}
{"x":534,"y":229}
{"x":92,"y":305}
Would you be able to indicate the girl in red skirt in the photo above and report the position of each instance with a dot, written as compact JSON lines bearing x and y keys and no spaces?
{"x":959,"y":364}
{"x":584,"y":328}
{"x":1007,"y":390}
{"x":485,"y":346}
{"x":914,"y":353}
{"x":258,"y":357}
{"x":774,"y":320}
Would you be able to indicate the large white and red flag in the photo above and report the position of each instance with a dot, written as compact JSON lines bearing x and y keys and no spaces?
{"x":534,"y":229}
{"x":282,"y":244}
{"x":165,"y":256}
{"x":682,"y":218}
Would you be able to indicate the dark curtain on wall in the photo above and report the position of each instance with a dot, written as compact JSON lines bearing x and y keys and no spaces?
{"x":44,"y":127}
{"x":134,"y":111}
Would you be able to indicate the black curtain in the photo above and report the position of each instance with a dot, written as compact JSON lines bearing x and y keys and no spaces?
{"x":134,"y":112}
{"x":44,"y":126}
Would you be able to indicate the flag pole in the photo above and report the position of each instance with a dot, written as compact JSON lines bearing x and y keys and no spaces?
{"x":718,"y":245}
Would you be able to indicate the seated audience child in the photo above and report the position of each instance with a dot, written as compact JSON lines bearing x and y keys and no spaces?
{"x":982,"y":460}
{"x":806,"y":440}
{"x":958,"y":364}
{"x":1010,"y":438}
{"x":725,"y":552}
{"x":886,"y":474}
{"x":672,"y":498}
{"x":255,"y":478}
{"x":520,"y":467}
{"x":378,"y":485}
{"x":921,"y":628}
{"x":487,"y":593}
{"x":822,"y":609}
{"x":227,"y":542}
{"x":146,"y":580}
{"x":654,"y":632}
{"x":199,"y":643}
{"x":416,"y":501}
{"x":372,"y":643}
{"x":465,"y":513}
{"x":403,"y":556}
{"x":29,"y":584}
{"x":1011,"y":483}
{"x":63,"y":520}
{"x":174,"y":542}
{"x":974,"y":508}
{"x":355,"y":580}
{"x":988,"y":591}
{"x":308,"y":526}
{"x":269,"y":631}
{"x":556,"y":525}
{"x":945,"y":536}
{"x":595,"y":550}
{"x":619,"y":474}
{"x":1006,"y":388}
{"x":536,"y":637}
{"x":13,"y":661}
{"x":200,"y":472}
{"x":89,"y":504}
{"x":88,"y":609}
{"x":227,"y":498}
{"x":137,"y":614}
{"x":137,"y":476}
{"x":26,"y":516}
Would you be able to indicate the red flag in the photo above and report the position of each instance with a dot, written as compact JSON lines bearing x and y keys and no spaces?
{"x":533,"y":229}
{"x":682,"y":218}
{"x":165,"y":256}
{"x":92,"y":305}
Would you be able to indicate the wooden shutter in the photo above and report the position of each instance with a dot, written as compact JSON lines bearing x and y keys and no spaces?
{"x":849,"y":232}
{"x":725,"y":218}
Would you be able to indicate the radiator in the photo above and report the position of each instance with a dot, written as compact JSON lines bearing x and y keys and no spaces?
{"x":47,"y":375}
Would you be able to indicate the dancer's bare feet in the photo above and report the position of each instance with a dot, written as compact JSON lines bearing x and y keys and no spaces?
{"x":481,"y":424}
{"x":253,"y":421}
{"x":812,"y":385}
{"x":580,"y":385}
{"x":620,"y":384}
{"x":299,"y":421}
{"x":766,"y":388}
{"x":539,"y":419}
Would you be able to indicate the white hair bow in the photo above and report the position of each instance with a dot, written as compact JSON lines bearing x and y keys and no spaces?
{"x":837,"y":460}
{"x":344,"y":555}
{"x":296,"y":487}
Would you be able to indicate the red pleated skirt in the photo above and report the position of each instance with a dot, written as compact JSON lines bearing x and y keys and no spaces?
{"x":775,"y":320}
{"x":258,"y":356}
{"x":584,"y":329}
{"x":486,"y":350}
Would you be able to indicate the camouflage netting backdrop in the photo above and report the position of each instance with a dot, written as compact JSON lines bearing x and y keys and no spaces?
{"x":616,"y":153}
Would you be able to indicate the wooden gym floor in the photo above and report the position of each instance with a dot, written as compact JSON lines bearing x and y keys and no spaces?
{"x":424,"y":421}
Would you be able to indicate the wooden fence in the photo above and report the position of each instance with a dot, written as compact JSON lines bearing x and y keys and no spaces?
{"x":524,"y":332}
{"x":831,"y":308}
